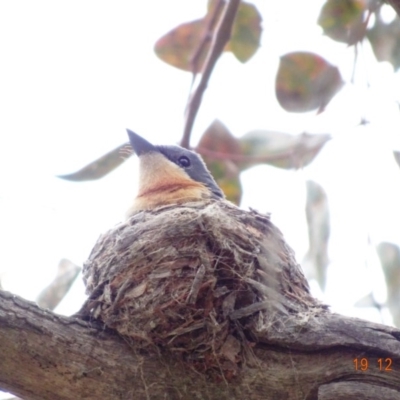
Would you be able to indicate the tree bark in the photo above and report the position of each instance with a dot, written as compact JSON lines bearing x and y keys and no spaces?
{"x":47,"y":356}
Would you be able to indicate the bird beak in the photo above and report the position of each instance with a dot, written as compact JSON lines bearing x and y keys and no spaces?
{"x":139,"y":145}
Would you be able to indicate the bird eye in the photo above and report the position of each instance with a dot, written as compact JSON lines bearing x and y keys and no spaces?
{"x":184,"y":162}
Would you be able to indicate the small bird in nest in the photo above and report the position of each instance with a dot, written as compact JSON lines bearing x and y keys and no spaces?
{"x":170,"y":175}
{"x":191,"y":272}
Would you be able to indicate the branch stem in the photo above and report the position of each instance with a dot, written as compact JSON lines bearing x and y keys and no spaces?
{"x":220,"y":38}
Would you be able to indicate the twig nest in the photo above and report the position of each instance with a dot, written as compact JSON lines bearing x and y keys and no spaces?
{"x":198,"y":279}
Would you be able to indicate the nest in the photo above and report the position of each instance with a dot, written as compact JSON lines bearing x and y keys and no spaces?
{"x":197,"y":279}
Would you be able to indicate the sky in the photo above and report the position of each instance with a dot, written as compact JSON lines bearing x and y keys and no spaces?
{"x":75,"y":74}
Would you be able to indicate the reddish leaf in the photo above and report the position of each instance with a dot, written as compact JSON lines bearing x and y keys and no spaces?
{"x":217,"y":145}
{"x":280,"y":149}
{"x":177,"y":47}
{"x":218,"y":139}
{"x":246,"y":32}
{"x":100,"y":167}
{"x":342,"y":20}
{"x":305,"y":82}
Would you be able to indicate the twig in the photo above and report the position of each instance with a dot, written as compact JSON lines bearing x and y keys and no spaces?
{"x":220,"y":38}
{"x":207,"y":35}
{"x":205,"y":39}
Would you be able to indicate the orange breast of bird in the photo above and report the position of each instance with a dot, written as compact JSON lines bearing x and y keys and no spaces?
{"x":161,"y":182}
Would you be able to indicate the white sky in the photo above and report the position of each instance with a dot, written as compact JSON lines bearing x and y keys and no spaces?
{"x":75,"y":74}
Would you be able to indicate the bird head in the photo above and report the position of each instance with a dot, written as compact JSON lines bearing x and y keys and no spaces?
{"x":170,"y":175}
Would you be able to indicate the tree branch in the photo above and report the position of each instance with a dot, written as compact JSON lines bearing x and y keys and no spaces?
{"x":206,"y":37}
{"x":220,"y":38}
{"x":49,"y":357}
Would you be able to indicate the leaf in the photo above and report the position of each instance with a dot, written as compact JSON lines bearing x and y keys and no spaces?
{"x":280,"y":149}
{"x":318,"y":223}
{"x":231,"y":349}
{"x":216,"y":146}
{"x":389,"y":255}
{"x":218,"y":139}
{"x":397,"y":157}
{"x":178,"y":46}
{"x":52,"y":295}
{"x":305,"y":81}
{"x":368,"y":301}
{"x":246,"y":32}
{"x":100,"y":167}
{"x":385,"y":41}
{"x":342,"y":20}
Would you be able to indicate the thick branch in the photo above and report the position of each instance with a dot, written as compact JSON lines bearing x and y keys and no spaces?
{"x":45,"y":356}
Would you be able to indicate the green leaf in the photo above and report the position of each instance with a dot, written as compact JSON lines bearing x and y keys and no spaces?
{"x":305,"y":81}
{"x":342,"y":20}
{"x":246,"y":32}
{"x":280,"y":149}
{"x":100,"y":167}
{"x":217,"y":145}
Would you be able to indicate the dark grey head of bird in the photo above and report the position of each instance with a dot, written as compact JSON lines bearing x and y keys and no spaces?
{"x":187,"y":160}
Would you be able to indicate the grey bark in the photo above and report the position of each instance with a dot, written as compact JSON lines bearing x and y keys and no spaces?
{"x":45,"y":356}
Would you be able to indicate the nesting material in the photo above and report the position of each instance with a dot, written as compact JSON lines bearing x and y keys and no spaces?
{"x":197,"y":279}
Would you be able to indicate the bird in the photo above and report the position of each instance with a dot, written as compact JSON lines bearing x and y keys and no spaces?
{"x":190,"y":272}
{"x":170,"y":175}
